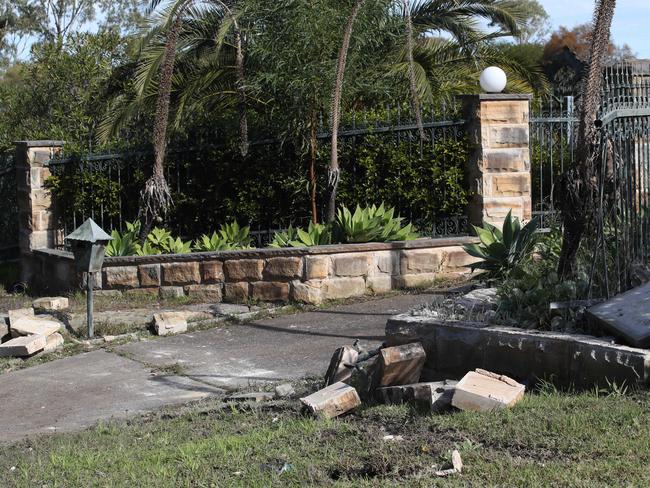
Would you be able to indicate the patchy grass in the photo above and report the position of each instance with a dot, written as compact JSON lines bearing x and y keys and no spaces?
{"x":549,"y":439}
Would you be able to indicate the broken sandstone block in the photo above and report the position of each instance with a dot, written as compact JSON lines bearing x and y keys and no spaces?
{"x":332,"y":401}
{"x":166,"y":323}
{"x":23,"y":346}
{"x":482,"y":391}
{"x":436,"y":395}
{"x":17,"y":314}
{"x":401,"y":365}
{"x":49,"y":304}
{"x":341,"y":365}
{"x":25,"y":326}
{"x":54,"y":342}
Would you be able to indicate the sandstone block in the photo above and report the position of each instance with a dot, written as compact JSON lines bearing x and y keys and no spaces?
{"x":244,"y":269}
{"x":336,"y":288}
{"x":166,"y":323}
{"x":317,"y":267}
{"x":420,"y":261}
{"x":507,"y":160}
{"x":270,"y":291}
{"x":341,"y":365}
{"x":505,"y":112}
{"x":416,"y":280}
{"x":208,"y":293}
{"x":455,"y":258}
{"x":212,"y":272}
{"x":180,"y":273}
{"x":308,"y":292}
{"x":54,"y":342}
{"x":23,"y":346}
{"x":120,"y":277}
{"x":149,"y":274}
{"x":171,"y":292}
{"x":401,"y":365}
{"x":20,"y":313}
{"x":511,"y":185}
{"x":332,"y":401}
{"x":51,"y":303}
{"x":39,"y":325}
{"x":351,"y":265}
{"x":436,"y":395}
{"x":508,"y":136}
{"x":237,"y":292}
{"x":283,"y":269}
{"x":483,"y":391}
{"x":380,"y":283}
{"x":386,"y":262}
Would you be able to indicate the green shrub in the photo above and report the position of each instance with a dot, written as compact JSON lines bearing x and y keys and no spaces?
{"x":502,"y":251}
{"x":228,"y":237}
{"x":371,"y":224}
{"x":284,"y":238}
{"x":124,"y":244}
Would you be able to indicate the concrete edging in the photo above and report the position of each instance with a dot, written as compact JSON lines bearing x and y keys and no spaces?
{"x":568,"y":360}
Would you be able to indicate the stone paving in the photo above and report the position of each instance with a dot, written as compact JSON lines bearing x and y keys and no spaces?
{"x":74,"y":393}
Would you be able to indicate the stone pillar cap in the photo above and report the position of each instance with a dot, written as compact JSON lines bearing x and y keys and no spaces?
{"x":44,"y":143}
{"x":498,"y":96}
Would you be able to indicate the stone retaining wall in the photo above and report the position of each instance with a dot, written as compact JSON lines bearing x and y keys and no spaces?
{"x":308,"y":275}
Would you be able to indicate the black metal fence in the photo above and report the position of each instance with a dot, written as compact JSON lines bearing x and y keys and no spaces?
{"x":9,"y":207}
{"x":106,"y":186}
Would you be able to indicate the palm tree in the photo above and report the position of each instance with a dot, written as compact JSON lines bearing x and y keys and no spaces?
{"x":578,"y":183}
{"x":458,"y":18}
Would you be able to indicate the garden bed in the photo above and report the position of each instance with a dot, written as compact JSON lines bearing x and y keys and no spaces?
{"x":309,"y":274}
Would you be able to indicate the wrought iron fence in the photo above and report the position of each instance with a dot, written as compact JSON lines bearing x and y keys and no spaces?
{"x":9,"y":207}
{"x":553,"y":133}
{"x":623,"y":206}
{"x":106,"y":186}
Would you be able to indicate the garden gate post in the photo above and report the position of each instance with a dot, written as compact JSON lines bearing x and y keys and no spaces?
{"x":499,"y":164}
{"x":37,"y":226}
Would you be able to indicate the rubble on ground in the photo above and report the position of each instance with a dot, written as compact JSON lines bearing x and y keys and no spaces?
{"x":24,"y":333}
{"x":166,"y":323}
{"x":394,"y":375}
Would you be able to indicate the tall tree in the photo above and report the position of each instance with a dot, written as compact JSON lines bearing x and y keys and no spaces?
{"x":334,"y":171}
{"x":578,"y":184}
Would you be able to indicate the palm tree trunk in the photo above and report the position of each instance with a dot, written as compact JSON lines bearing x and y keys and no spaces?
{"x":415,"y":99}
{"x":241,"y":93}
{"x":313,"y":145}
{"x":334,"y":172}
{"x":155,"y":198}
{"x":579,"y":183}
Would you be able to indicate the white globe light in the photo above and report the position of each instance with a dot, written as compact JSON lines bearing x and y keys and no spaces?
{"x":493,"y":79}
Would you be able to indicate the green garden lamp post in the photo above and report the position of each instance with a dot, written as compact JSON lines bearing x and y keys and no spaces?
{"x":88,"y":243}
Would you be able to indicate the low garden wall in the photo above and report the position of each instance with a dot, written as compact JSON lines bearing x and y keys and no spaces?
{"x":308,"y":275}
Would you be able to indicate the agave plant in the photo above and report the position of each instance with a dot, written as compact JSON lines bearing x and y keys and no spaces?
{"x":124,"y":244}
{"x":284,"y":238}
{"x":229,"y":236}
{"x":315,"y":235}
{"x":502,"y":251}
{"x":372,"y":224}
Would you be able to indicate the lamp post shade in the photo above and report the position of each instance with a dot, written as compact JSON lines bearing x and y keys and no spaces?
{"x":88,"y":243}
{"x":493,"y":79}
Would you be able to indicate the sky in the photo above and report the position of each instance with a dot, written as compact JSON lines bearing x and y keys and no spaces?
{"x":631,"y":20}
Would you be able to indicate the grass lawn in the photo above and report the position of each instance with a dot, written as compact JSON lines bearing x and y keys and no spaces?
{"x":549,"y":439}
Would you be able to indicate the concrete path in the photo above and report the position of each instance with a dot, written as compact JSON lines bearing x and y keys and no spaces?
{"x":73,"y":393}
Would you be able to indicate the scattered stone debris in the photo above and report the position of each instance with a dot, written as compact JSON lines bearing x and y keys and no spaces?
{"x":51,"y":304}
{"x":284,"y":390}
{"x":332,"y":401}
{"x":166,"y":323}
{"x":457,"y":465}
{"x":23,"y":346}
{"x":626,"y":315}
{"x":401,"y":365}
{"x":436,"y":395}
{"x":252,"y":397}
{"x":22,"y":333}
{"x":482,"y":391}
{"x":392,"y":438}
{"x":341,"y":365}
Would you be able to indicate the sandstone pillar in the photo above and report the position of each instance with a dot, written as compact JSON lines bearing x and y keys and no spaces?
{"x":499,"y":165}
